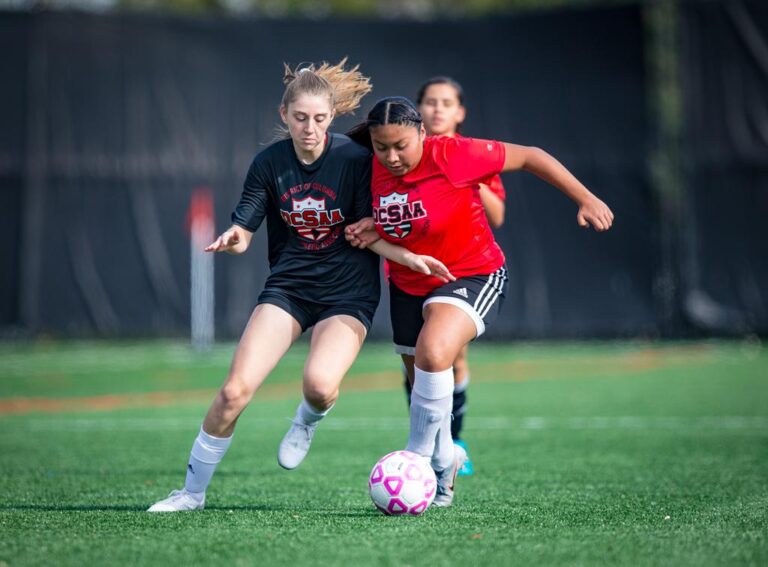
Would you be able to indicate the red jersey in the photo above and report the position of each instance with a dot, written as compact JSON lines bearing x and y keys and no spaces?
{"x":433,"y":208}
{"x":493,"y":183}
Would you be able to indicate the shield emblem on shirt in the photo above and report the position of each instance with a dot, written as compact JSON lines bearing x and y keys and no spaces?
{"x":402,"y":229}
{"x":315,"y":233}
{"x":399,"y":230}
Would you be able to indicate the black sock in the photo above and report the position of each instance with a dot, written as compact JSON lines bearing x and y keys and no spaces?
{"x":459,"y":407}
{"x":408,"y":388}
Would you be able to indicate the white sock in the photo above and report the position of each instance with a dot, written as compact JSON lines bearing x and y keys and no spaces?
{"x":431,"y":403}
{"x":207,"y":452}
{"x":444,"y":456}
{"x":309,"y":415}
{"x":444,"y":453}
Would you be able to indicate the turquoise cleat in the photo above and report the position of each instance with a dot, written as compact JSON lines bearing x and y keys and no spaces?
{"x":467,"y":469}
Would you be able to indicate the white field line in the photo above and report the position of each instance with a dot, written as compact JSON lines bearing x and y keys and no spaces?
{"x":656,"y":423}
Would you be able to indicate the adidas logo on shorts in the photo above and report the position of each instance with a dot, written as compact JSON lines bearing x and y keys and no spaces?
{"x":462,"y":291}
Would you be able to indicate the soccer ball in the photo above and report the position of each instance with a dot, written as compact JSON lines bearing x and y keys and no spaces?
{"x":402,"y":483}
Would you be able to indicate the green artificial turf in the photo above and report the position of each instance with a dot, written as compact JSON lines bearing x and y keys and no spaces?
{"x":586,"y":454}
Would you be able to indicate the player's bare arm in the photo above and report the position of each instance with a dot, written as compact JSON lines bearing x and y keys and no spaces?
{"x":493,"y":205}
{"x":416,"y":262}
{"x":235,"y":240}
{"x":592,"y":211}
{"x":363,"y":235}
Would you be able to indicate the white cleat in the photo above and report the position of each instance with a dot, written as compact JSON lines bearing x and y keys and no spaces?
{"x":295,"y":445}
{"x":179,"y":501}
{"x":446,"y":479}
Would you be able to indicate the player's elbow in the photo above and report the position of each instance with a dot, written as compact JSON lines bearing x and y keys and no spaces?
{"x":521,"y":157}
{"x":536,"y":159}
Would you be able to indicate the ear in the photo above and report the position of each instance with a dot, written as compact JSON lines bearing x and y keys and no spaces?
{"x":422,"y":133}
{"x":283,"y":114}
{"x":461,"y":114}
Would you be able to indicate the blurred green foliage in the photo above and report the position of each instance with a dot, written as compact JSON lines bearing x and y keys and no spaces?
{"x":387,"y":8}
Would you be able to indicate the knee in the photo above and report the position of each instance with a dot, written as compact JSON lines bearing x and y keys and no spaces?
{"x":234,"y":395}
{"x":434,"y":355}
{"x":321,"y":394}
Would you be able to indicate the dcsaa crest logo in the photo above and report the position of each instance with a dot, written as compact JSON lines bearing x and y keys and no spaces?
{"x":395,"y":214}
{"x":311,"y":219}
{"x":399,"y":198}
{"x":308,"y":203}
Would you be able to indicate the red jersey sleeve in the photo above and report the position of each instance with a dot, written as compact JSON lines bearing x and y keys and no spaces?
{"x":467,"y":161}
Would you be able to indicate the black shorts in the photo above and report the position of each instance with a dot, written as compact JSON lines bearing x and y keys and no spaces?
{"x":309,"y":313}
{"x":480,"y":297}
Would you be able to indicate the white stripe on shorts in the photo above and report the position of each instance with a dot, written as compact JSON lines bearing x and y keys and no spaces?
{"x":499,"y":289}
{"x":490,"y":292}
{"x":482,"y":291}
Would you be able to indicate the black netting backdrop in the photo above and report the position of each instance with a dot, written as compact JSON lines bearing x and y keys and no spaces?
{"x":115,"y":120}
{"x":13,"y":118}
{"x":725,"y":86}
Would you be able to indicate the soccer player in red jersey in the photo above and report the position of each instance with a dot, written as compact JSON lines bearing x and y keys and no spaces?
{"x":440,"y":101}
{"x":308,"y":186}
{"x":424,"y":199}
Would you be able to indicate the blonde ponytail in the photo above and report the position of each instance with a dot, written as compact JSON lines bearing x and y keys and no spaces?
{"x":345,"y":88}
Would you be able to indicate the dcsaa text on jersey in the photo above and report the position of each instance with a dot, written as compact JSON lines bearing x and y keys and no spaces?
{"x":394,"y":213}
{"x":311,"y":219}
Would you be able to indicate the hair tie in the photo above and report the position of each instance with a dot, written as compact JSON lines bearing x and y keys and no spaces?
{"x":304,"y":70}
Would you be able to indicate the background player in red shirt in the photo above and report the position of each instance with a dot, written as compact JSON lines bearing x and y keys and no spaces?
{"x":424,"y":198}
{"x":440,"y":101}
{"x":308,"y":187}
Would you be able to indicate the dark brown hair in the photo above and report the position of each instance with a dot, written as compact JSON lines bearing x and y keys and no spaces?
{"x":390,"y":110}
{"x":440,"y":80}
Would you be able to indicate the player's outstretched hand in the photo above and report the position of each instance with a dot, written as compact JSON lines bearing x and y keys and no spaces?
{"x":430,"y":266}
{"x":231,"y":241}
{"x":595,"y":213}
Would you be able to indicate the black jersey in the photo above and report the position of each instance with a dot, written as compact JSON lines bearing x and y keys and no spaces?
{"x":307,"y":208}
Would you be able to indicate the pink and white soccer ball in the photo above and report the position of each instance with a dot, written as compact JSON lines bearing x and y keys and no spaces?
{"x":402,"y":483}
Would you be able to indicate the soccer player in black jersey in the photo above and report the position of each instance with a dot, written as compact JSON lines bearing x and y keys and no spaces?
{"x":308,"y":186}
